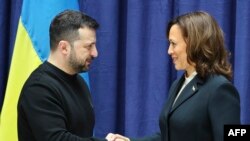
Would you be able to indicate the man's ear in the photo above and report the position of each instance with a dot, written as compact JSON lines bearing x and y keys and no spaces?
{"x":64,"y":47}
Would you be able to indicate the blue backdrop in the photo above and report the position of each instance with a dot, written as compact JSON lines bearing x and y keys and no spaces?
{"x":131,"y":77}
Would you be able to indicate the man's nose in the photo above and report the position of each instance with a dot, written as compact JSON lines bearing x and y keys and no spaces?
{"x":94,"y":52}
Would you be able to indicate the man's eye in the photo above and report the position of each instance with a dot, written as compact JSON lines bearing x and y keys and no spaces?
{"x":87,"y":47}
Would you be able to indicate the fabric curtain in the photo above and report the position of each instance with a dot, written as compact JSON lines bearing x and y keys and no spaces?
{"x":131,"y":77}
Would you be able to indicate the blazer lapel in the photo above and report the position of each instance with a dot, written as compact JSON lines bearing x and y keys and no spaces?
{"x":190,"y":89}
{"x":173,"y":92}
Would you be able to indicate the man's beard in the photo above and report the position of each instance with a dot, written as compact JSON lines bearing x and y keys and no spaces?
{"x":77,"y":65}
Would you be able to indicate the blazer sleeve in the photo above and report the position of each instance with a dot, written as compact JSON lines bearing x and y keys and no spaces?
{"x":154,"y":137}
{"x":224,"y":108}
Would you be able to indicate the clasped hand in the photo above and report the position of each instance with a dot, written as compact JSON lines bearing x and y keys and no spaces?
{"x":116,"y":137}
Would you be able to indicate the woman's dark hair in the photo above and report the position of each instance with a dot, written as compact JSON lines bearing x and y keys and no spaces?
{"x":205,"y":43}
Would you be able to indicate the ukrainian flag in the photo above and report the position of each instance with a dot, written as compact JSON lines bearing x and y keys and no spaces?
{"x":30,"y":50}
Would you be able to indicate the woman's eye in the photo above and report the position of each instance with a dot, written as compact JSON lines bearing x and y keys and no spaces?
{"x":173,"y":44}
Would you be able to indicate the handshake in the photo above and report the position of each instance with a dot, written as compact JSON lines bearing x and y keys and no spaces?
{"x":116,"y":137}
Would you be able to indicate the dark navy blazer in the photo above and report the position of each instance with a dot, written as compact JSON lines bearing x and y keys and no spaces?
{"x":200,"y":112}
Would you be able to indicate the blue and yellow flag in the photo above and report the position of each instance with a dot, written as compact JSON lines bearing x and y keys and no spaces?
{"x":30,"y":50}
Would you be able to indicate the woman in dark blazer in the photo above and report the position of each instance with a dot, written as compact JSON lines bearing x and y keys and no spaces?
{"x":203,"y":100}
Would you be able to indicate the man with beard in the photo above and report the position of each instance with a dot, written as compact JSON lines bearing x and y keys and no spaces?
{"x":55,"y":102}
